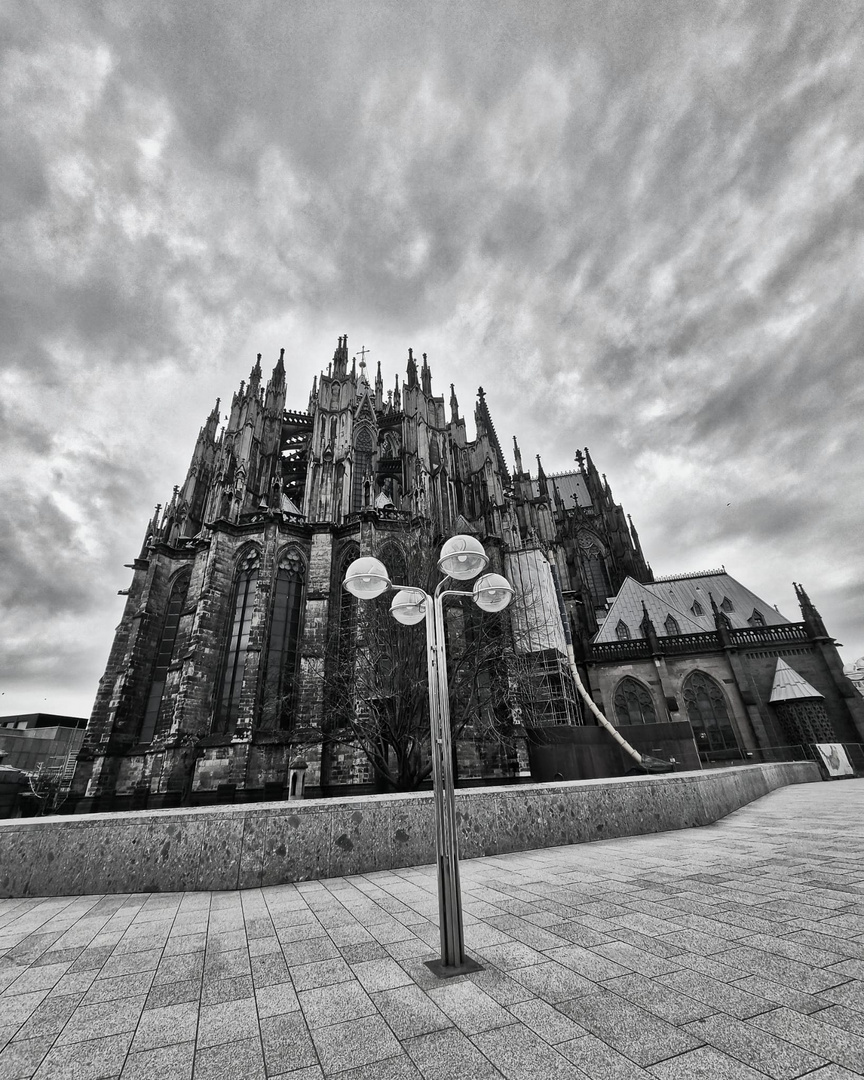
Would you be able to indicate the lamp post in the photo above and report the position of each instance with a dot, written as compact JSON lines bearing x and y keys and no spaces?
{"x":462,"y":558}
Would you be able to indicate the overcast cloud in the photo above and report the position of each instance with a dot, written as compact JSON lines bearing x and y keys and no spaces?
{"x":638,"y":226}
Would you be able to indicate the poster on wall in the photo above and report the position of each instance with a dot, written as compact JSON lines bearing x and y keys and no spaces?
{"x":834,"y":759}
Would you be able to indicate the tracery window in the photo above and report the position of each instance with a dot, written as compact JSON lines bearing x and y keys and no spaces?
{"x":671,"y":626}
{"x":596,"y":578}
{"x":757,"y":618}
{"x":622,"y":631}
{"x":362,"y":467}
{"x":242,"y":605}
{"x":347,"y":627}
{"x":165,"y":652}
{"x":284,"y":646}
{"x":633,"y":704}
{"x":708,"y":714}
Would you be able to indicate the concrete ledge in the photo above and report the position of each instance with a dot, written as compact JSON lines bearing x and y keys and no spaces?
{"x":239,"y":847}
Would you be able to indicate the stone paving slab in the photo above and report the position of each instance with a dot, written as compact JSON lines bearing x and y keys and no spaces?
{"x":732,"y":951}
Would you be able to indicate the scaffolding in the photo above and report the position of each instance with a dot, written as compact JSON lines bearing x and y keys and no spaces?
{"x":544,"y":690}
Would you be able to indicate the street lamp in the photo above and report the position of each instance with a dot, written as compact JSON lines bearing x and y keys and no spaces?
{"x":462,"y":558}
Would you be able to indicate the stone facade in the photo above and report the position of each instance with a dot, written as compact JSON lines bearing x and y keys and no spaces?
{"x":217,"y":674}
{"x":219,"y":671}
{"x":735,"y":665}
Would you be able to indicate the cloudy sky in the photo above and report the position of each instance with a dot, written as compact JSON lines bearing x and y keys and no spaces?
{"x":638,"y":226}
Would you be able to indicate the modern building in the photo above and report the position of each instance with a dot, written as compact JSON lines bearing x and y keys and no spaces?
{"x":224,"y":657}
{"x":33,"y":739}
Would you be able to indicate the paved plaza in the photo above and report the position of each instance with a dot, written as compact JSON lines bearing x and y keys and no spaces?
{"x":733,"y":951}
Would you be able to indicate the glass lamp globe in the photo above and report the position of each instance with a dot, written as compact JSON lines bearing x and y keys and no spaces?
{"x":492,"y":592}
{"x":409,"y":606}
{"x":366,"y":578}
{"x":462,"y":557}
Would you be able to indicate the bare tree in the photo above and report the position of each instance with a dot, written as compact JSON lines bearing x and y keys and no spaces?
{"x":377,"y":681}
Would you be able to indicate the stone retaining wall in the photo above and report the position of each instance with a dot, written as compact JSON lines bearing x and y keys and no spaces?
{"x":242,"y":847}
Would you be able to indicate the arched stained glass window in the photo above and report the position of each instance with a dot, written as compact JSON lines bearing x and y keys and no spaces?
{"x":633,"y":704}
{"x":671,"y":626}
{"x":757,"y":618}
{"x":167,"y":640}
{"x":622,"y":631}
{"x":708,"y":714}
{"x":362,"y":467}
{"x":283,"y":649}
{"x":242,"y":605}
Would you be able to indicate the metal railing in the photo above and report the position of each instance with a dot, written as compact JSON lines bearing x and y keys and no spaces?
{"x":721,"y":759}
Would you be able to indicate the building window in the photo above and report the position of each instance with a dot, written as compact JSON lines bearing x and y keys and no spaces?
{"x":726,"y":605}
{"x":633,"y":704}
{"x":165,"y":652}
{"x":671,"y":626}
{"x":709,"y":716}
{"x":346,"y":629}
{"x":622,"y":631}
{"x":697,"y":608}
{"x":596,"y":578}
{"x":242,"y":607}
{"x":756,"y":619}
{"x":362,"y":467}
{"x":283,"y":650}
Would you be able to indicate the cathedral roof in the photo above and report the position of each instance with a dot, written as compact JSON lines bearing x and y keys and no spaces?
{"x":789,"y":685}
{"x":686,"y":598}
{"x":568,"y":485}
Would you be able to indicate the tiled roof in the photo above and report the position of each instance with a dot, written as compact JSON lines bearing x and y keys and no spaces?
{"x":676,"y":596}
{"x":789,"y":685}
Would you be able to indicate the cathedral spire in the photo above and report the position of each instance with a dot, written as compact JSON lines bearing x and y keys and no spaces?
{"x":379,"y":388}
{"x":426,"y":377}
{"x":278,"y":377}
{"x":483,"y":419}
{"x":340,"y":357}
{"x":809,"y":614}
{"x":255,"y":376}
{"x":542,"y":483}
{"x":411,"y":369}
{"x":454,"y":405}
{"x":517,"y":453}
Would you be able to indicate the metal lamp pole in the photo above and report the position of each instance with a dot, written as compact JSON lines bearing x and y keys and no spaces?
{"x":462,"y":557}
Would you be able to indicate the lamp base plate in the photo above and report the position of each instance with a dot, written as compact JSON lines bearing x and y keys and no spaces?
{"x":450,"y":971}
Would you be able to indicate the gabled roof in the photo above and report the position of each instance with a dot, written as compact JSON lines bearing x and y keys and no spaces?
{"x":676,"y":596}
{"x":571,"y":486}
{"x":789,"y":685}
{"x":627,"y":608}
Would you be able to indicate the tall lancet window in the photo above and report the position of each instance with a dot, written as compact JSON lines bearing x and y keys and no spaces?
{"x":596,"y":578}
{"x":362,"y":467}
{"x":284,"y":647}
{"x":242,"y":606}
{"x":708,"y":714}
{"x":168,"y":639}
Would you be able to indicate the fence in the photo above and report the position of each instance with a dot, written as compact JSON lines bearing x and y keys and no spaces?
{"x":721,"y":759}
